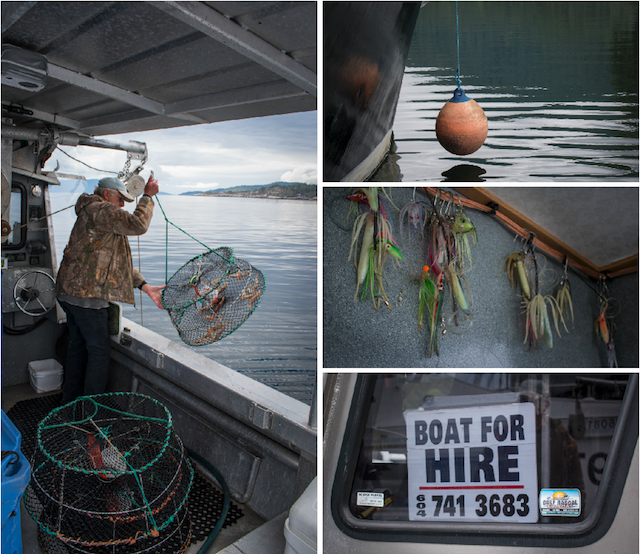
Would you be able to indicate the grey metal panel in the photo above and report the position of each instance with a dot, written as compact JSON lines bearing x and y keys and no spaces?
{"x":261,"y":472}
{"x":28,"y":28}
{"x":105,"y":89}
{"x":117,"y":66}
{"x":12,"y":11}
{"x":19,"y":350}
{"x":238,"y":466}
{"x":244,"y":96}
{"x":282,"y":24}
{"x":237,"y":37}
{"x":267,"y":539}
{"x":238,"y":396}
{"x":226,"y":425}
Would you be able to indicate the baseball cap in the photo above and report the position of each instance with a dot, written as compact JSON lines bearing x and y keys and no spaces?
{"x":115,"y":184}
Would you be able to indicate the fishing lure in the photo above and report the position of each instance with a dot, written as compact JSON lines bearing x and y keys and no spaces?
{"x":516,"y":272}
{"x":385,"y":245}
{"x":416,"y":213}
{"x":563,"y":296}
{"x":448,"y":254}
{"x":537,"y":305}
{"x":366,"y":247}
{"x":538,"y":325}
{"x":604,"y":332}
{"x":377,"y":243}
{"x":430,"y":298}
{"x":366,"y":194}
{"x":454,"y":280}
{"x":604,"y":323}
{"x":463,"y":228}
{"x":602,"y":328}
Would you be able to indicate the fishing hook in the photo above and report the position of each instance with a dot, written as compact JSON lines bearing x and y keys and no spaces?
{"x":531,"y":241}
{"x":565,"y":276}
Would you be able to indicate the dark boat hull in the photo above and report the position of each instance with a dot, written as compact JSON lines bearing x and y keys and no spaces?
{"x":365,"y":50}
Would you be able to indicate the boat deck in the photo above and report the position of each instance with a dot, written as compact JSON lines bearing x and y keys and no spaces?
{"x":250,"y":534}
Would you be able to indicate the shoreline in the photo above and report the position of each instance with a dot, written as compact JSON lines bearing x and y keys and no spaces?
{"x":220,"y":195}
{"x":263,"y":197}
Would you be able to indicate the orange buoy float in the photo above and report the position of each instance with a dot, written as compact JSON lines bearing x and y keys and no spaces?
{"x":461,"y":125}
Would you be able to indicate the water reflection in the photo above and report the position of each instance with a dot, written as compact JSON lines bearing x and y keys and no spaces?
{"x":558,"y":82}
{"x":464,"y":173}
{"x":277,"y":344}
{"x":389,"y":171}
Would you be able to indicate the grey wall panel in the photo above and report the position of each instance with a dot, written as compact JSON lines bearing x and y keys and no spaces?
{"x":356,"y":335}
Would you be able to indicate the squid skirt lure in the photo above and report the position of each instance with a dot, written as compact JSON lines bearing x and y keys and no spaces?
{"x":416,"y":213}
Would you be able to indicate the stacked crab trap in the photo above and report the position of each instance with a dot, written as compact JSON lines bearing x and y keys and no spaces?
{"x":110,"y":475}
{"x":211,"y":295}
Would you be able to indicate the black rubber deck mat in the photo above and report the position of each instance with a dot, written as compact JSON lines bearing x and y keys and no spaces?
{"x":205,"y":500}
{"x":26,"y":415}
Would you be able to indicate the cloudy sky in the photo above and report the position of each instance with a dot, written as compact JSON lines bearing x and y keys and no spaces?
{"x":204,"y":157}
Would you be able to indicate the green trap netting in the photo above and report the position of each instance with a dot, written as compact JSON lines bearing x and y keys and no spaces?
{"x":109,"y":474}
{"x":211,"y":295}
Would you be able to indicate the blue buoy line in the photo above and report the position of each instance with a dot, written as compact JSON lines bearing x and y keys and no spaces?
{"x":457,"y":77}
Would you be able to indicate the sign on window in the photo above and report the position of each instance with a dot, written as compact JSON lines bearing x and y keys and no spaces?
{"x":473,"y":464}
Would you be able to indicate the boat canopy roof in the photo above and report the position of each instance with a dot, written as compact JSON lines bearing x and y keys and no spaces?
{"x":118,"y":67}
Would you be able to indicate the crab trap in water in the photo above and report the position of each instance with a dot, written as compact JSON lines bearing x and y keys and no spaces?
{"x":211,"y":295}
{"x":109,"y":475}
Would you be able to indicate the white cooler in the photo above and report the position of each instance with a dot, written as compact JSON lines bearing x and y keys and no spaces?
{"x":45,"y":375}
{"x":301,"y":527}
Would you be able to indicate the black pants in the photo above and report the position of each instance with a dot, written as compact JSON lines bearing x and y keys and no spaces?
{"x":87,"y":368}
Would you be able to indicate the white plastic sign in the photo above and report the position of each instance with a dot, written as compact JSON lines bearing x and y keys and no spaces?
{"x":473,"y":464}
{"x":370,"y":499}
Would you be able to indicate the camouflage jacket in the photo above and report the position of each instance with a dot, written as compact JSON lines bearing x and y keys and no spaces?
{"x":97,"y":261}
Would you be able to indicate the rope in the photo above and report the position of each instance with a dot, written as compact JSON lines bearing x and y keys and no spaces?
{"x":457,"y":77}
{"x":140,"y":270}
{"x":166,"y":248}
{"x":97,"y":405}
{"x":225,"y":505}
{"x":90,"y":167}
{"x":166,"y":278}
{"x":41,"y":218}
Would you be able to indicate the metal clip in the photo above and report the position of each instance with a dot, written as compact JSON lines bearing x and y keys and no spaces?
{"x":261,"y":416}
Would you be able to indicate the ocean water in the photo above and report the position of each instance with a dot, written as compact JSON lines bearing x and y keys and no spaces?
{"x":558,"y":82}
{"x":277,"y":344}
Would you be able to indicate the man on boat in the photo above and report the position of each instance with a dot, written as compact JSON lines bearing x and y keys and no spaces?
{"x":97,"y":269}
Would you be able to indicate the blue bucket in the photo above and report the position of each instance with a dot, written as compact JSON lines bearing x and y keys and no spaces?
{"x":16,"y":473}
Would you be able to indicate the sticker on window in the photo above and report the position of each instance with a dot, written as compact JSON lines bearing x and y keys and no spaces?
{"x":560,"y":502}
{"x":473,"y":464}
{"x":370,"y":499}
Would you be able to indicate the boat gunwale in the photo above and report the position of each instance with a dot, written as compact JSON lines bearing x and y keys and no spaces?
{"x":270,"y":412}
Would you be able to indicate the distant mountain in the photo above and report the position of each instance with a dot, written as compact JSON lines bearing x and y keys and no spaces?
{"x":240,"y":188}
{"x":279,"y":189}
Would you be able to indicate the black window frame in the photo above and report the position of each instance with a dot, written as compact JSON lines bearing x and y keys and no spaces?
{"x":23,"y":217}
{"x":550,"y":535}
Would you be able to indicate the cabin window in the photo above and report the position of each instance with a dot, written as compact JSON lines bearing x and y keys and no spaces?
{"x":479,"y":456}
{"x":17,"y":218}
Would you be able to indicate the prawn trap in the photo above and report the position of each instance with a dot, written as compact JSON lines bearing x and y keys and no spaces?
{"x":211,"y":295}
{"x":109,"y":475}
